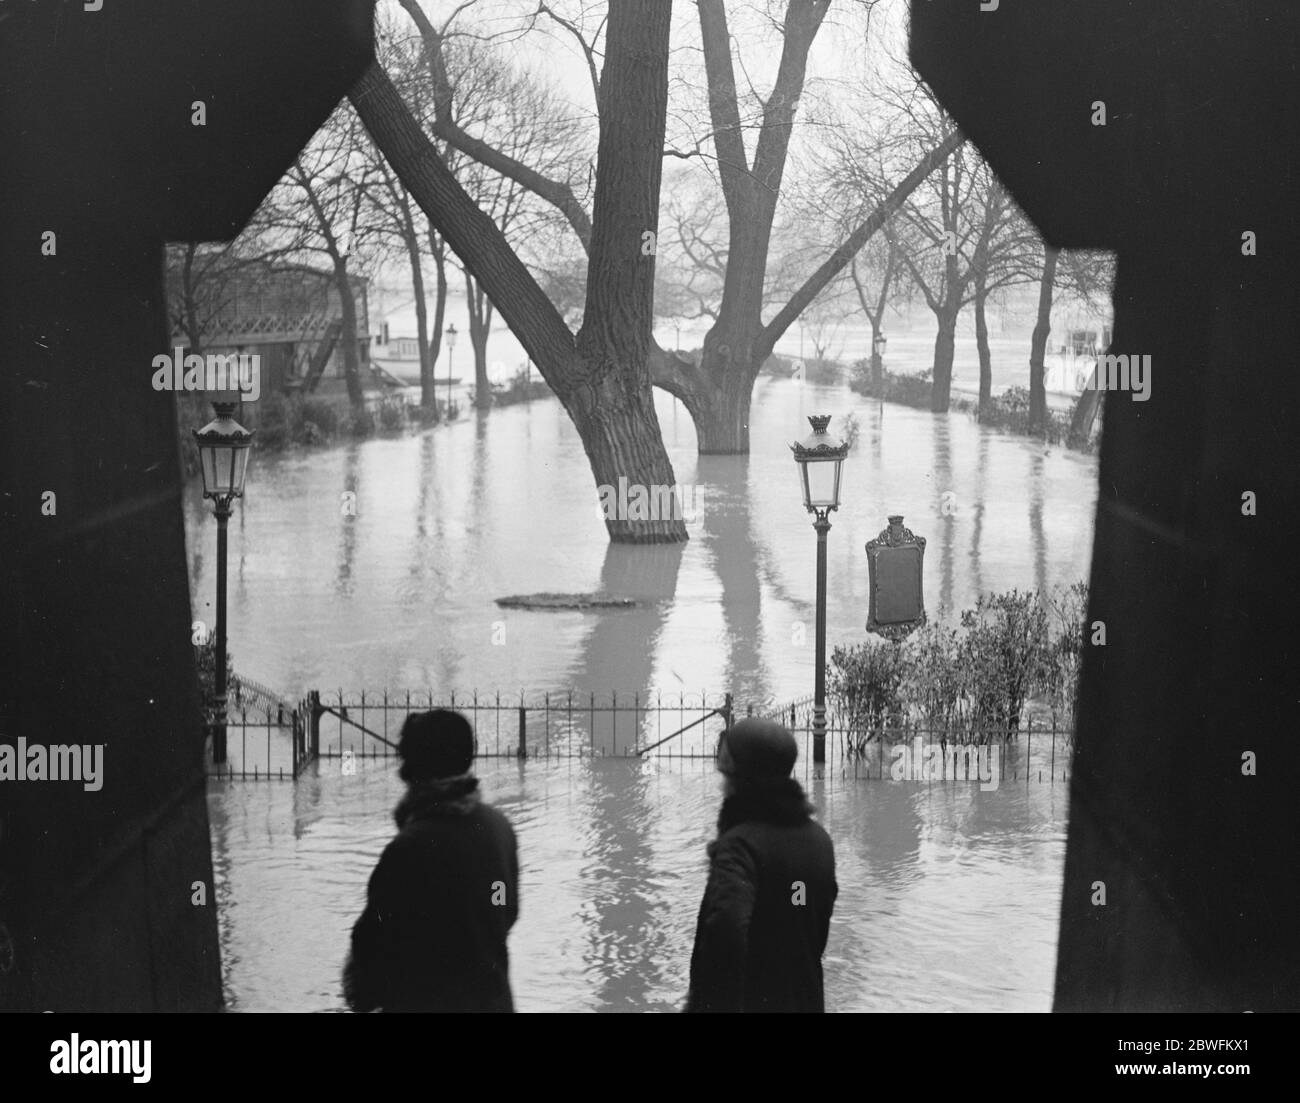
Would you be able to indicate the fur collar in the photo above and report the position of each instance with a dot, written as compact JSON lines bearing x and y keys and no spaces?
{"x":444,"y":796}
{"x":781,"y":802}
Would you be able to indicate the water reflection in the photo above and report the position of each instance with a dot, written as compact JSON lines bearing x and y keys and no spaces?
{"x":349,"y":509}
{"x":977,"y":512}
{"x":950,"y":503}
{"x":889,"y":834}
{"x":626,"y":943}
{"x":733,"y":547}
{"x":606,"y":666}
{"x":1036,"y":534}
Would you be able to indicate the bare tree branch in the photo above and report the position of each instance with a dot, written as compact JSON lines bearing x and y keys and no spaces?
{"x":834,"y":264}
{"x":469,"y":232}
{"x":555,"y":192}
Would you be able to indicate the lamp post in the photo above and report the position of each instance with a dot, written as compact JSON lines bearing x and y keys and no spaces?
{"x":820,"y":457}
{"x":878,"y":360}
{"x":223,"y":459}
{"x":451,"y":355}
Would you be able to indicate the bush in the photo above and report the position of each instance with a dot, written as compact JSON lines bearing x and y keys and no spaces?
{"x":205,"y":659}
{"x":1005,"y":655}
{"x":973,"y":680}
{"x":906,"y":390}
{"x":1009,"y":411}
{"x":1069,"y":615}
{"x":821,"y":370}
{"x":359,"y":422}
{"x":279,"y":422}
{"x":860,"y":377}
{"x":866,"y":683}
{"x":424,"y":415}
{"x":936,"y":679}
{"x":909,"y":390}
{"x":323,"y":416}
{"x":815,"y":369}
{"x":392,"y":413}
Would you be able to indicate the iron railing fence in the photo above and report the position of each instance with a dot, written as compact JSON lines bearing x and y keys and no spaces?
{"x":270,"y":743}
{"x":262,"y":744}
{"x":569,"y":725}
{"x":246,"y":693}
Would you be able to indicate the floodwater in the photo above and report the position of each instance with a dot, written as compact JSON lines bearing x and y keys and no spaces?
{"x":949,"y":894}
{"x":401,"y":595}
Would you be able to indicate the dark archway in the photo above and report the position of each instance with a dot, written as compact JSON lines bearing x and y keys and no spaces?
{"x":104,"y":163}
{"x":1196,"y":854}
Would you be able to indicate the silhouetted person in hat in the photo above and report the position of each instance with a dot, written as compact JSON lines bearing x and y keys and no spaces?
{"x":767,"y":905}
{"x":445,"y":893}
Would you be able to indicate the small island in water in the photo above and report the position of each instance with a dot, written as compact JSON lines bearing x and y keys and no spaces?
{"x":566,"y":601}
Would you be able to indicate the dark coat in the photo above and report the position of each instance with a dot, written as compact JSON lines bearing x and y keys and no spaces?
{"x":760,"y":935}
{"x":440,"y":904}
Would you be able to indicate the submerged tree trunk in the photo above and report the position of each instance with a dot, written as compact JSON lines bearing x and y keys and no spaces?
{"x":1038,"y":345}
{"x":982,"y":347}
{"x":480,"y":328}
{"x":945,"y":342}
{"x":438,"y":248}
{"x":348,"y":334}
{"x":620,"y":433}
{"x":602,"y":375}
{"x":421,"y":322}
{"x":613,"y":406}
{"x":718,"y":400}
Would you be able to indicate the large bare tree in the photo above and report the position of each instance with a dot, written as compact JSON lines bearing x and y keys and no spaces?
{"x":601,"y":373}
{"x":717,"y":388}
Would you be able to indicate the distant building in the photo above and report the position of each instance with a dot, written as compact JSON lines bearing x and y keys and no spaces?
{"x":402,"y":348}
{"x":286,"y":313}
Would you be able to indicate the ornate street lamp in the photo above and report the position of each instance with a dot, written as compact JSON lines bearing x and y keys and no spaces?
{"x":451,"y":355}
{"x":878,"y":359}
{"x":223,"y":460}
{"x":820,"y":457}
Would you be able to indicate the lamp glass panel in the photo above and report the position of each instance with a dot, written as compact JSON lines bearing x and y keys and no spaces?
{"x":803,"y":485}
{"x":241,"y":469}
{"x":207,"y":462}
{"x":229,"y":462}
{"x":823,"y":483}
